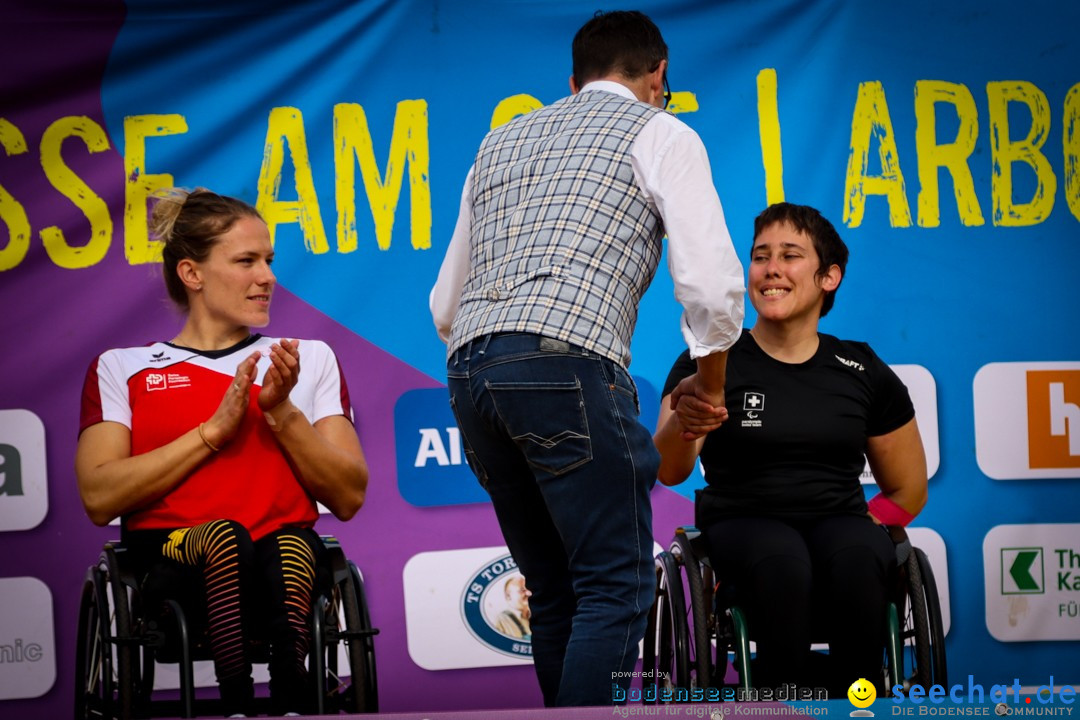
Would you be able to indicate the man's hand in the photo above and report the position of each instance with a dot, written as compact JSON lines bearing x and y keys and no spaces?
{"x":699,"y":412}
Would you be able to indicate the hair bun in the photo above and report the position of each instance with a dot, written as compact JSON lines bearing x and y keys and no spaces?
{"x":167,"y":206}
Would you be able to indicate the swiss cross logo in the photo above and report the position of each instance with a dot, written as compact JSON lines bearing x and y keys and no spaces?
{"x":155,"y":381}
{"x":753,"y":401}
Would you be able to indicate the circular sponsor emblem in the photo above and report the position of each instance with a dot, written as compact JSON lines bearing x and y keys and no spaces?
{"x":494,"y":606}
{"x":1002,"y":709}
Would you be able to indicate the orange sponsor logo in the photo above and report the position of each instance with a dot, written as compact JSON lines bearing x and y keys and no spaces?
{"x":1053,"y":418}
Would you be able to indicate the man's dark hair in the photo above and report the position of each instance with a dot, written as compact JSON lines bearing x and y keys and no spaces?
{"x":623,"y":42}
{"x":830,"y":248}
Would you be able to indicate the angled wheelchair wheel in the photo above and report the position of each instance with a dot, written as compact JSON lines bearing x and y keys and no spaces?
{"x":344,"y":621}
{"x":699,"y":644}
{"x":938,"y":666}
{"x":915,"y":627}
{"x":733,"y":635}
{"x":104,"y":673}
{"x":360,"y":643}
{"x":669,"y":665}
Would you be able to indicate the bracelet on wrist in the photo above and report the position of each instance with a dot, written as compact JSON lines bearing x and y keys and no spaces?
{"x":208,"y":443}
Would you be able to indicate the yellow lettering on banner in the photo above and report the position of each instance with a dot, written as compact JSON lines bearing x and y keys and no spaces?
{"x":139,"y":186}
{"x":11,"y":210}
{"x":682,"y":101}
{"x":772,"y":157}
{"x":408,"y":144}
{"x":513,"y":106}
{"x":951,"y":156}
{"x":1070,"y":142}
{"x":285,"y":126}
{"x":1005,"y":153}
{"x":871,"y":120}
{"x":73,"y":188}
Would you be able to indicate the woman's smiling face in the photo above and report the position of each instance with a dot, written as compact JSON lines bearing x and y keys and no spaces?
{"x":784,"y":279}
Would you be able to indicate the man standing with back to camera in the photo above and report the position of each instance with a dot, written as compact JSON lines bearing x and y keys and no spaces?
{"x":559,"y":235}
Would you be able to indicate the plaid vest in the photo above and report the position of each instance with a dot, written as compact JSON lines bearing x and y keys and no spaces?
{"x":563,"y":242}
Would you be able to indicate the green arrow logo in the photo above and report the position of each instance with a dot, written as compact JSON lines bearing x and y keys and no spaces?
{"x":1020,"y":570}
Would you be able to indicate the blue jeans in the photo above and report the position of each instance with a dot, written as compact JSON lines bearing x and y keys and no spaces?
{"x":552,"y":432}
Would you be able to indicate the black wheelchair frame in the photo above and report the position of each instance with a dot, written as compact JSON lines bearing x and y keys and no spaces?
{"x":691,"y":630}
{"x":118,"y":646}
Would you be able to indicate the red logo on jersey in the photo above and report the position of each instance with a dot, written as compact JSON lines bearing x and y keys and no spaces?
{"x":155,"y":381}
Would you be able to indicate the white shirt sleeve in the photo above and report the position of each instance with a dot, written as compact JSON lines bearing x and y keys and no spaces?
{"x":445,"y":297}
{"x":672,"y":168}
{"x":329,"y":397}
{"x":112,"y":379}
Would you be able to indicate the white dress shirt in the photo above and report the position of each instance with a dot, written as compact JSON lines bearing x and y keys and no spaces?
{"x":672,"y":169}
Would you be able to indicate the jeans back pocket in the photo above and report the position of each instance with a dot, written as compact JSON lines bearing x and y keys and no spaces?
{"x":547,"y":421}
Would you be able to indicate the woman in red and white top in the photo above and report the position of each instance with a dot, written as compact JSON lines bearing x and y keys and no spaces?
{"x":214,"y":447}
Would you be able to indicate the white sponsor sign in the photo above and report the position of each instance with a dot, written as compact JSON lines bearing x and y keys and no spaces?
{"x":27,"y":645}
{"x":1032,"y":577}
{"x":923,"y":390}
{"x":24,"y":491}
{"x":454,"y":601}
{"x":1027,"y":420}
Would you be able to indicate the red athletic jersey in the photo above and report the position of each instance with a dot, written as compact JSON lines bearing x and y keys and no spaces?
{"x":161,"y":391}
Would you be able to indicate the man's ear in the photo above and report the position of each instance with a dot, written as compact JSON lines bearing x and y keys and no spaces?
{"x":574,"y":89}
{"x":657,"y":79}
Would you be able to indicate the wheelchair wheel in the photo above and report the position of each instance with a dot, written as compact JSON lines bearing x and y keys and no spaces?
{"x":733,"y":635}
{"x":938,"y":666}
{"x":915,"y":626}
{"x":361,"y":643}
{"x":667,"y":656}
{"x":103,"y":667}
{"x":700,"y":642}
{"x":344,"y":620}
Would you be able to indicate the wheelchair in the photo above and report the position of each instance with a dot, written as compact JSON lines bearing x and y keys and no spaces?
{"x":119,"y":643}
{"x":693,"y":629}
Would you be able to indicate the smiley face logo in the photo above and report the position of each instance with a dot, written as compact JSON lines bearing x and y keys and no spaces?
{"x":862,"y":693}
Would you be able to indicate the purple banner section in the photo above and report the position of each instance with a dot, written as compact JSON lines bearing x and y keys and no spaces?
{"x":47,"y":319}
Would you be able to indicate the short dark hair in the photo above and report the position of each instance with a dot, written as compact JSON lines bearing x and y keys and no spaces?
{"x":189,"y":224}
{"x":830,"y":249}
{"x":623,"y":42}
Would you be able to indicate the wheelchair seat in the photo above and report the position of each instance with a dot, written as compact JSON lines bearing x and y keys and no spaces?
{"x":120,"y":641}
{"x":695,"y":624}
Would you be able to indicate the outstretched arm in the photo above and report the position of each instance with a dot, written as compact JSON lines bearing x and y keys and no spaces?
{"x":698,"y":399}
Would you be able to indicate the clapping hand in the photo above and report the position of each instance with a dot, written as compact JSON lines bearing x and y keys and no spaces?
{"x":223,"y":424}
{"x":281,"y":376}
